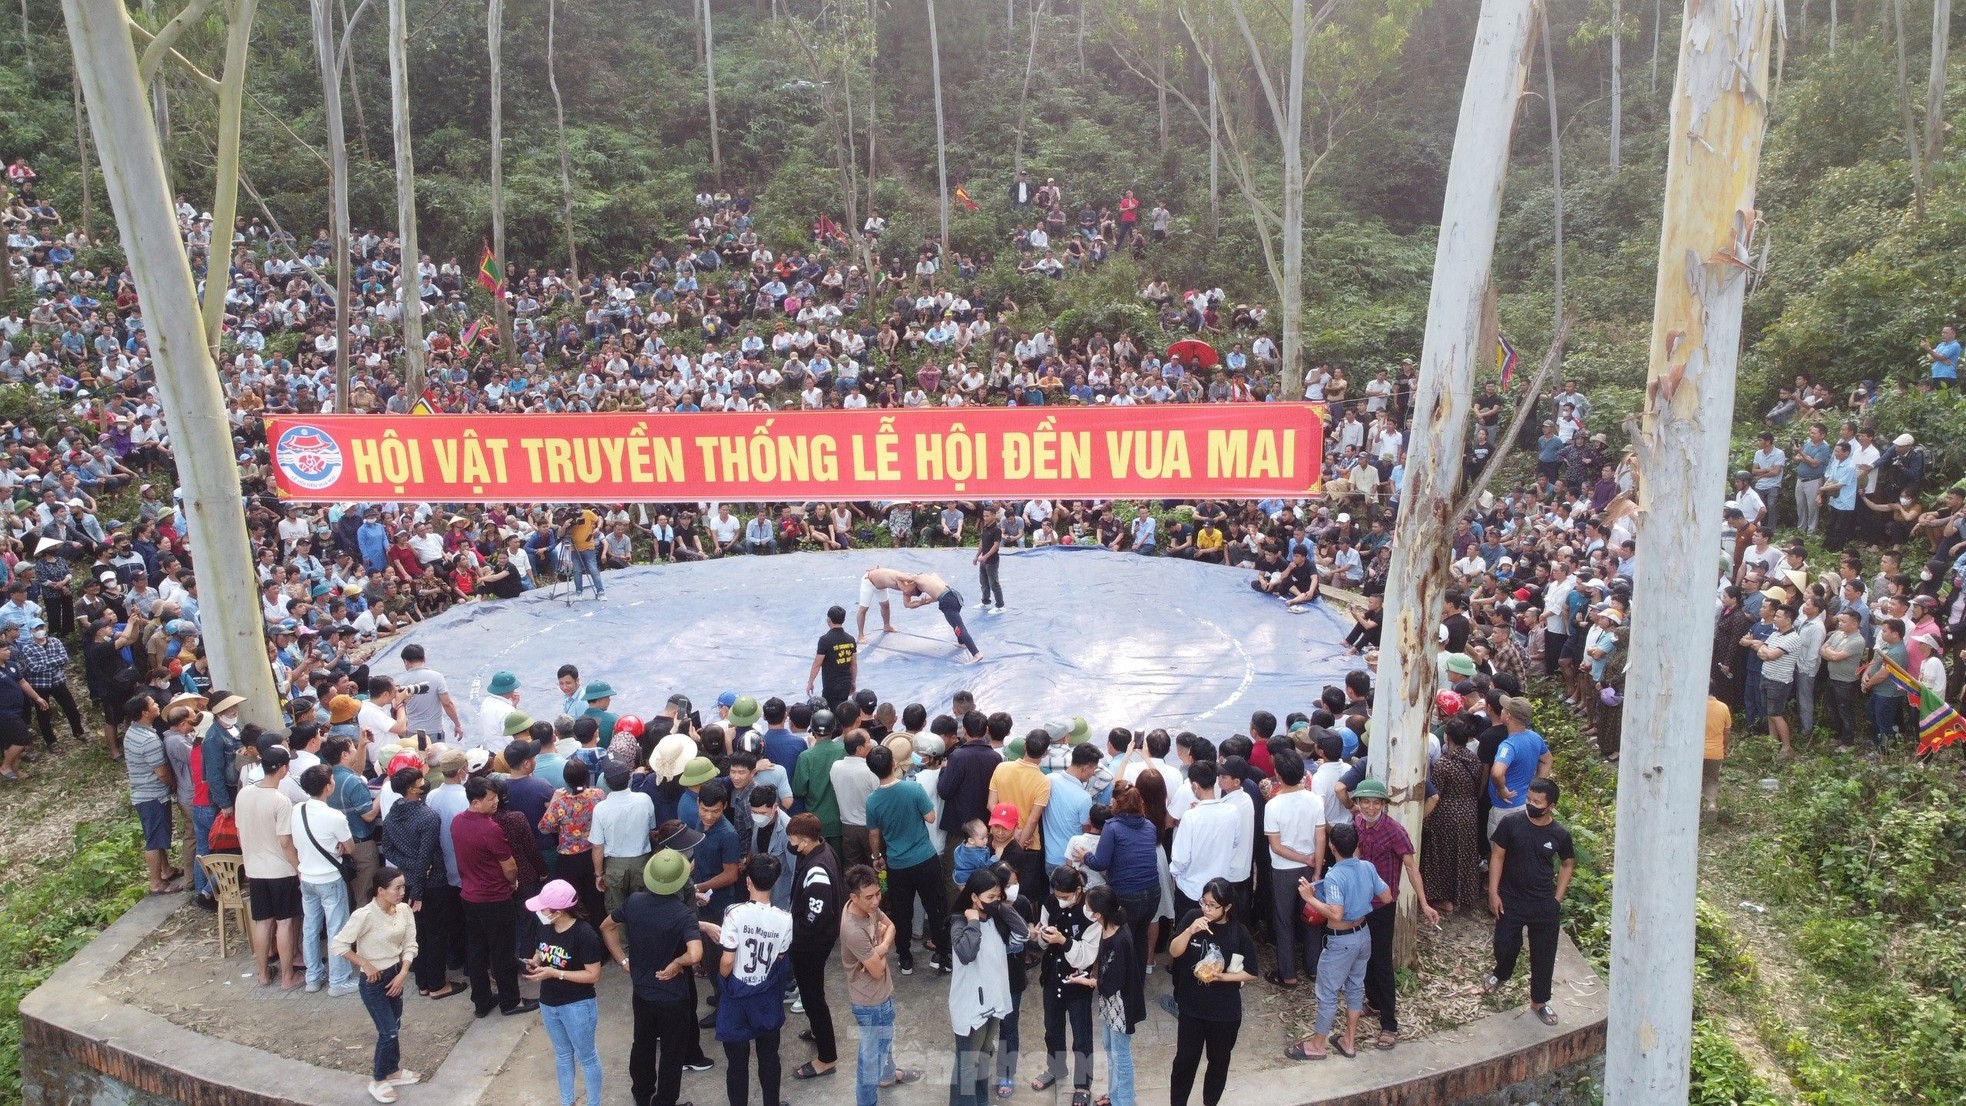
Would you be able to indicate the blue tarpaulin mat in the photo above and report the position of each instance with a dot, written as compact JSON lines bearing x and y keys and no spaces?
{"x":1119,"y":639}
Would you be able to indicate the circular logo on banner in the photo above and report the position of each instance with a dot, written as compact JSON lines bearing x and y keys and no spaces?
{"x":308,"y":457}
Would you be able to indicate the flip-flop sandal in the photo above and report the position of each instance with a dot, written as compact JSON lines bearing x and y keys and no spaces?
{"x":1546,"y":1015}
{"x":903,"y":1077}
{"x":807,"y":1071}
{"x":1277,"y":979}
{"x":449,"y":991}
{"x":1081,"y":1098}
{"x":1297,"y":1051}
{"x":1349,"y":1052}
{"x":1006,"y":1088}
{"x":1386,"y":1041}
{"x":1044,"y":1082}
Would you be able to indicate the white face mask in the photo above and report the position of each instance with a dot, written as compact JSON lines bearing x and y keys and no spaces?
{"x":545,"y":916}
{"x":229,"y":719}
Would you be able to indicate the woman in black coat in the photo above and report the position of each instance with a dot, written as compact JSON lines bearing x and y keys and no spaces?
{"x":1120,"y":979}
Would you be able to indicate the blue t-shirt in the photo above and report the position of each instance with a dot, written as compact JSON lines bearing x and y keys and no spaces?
{"x":1353,"y":884}
{"x":1064,"y":816}
{"x":1811,"y":458}
{"x":1945,"y":361}
{"x":1519,"y":754}
{"x":897,"y":812}
{"x":720,"y":846}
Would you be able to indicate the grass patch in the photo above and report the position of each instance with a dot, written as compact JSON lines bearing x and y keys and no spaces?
{"x":51,"y":909}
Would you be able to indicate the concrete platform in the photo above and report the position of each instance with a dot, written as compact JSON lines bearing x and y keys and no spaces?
{"x":93,"y":1034}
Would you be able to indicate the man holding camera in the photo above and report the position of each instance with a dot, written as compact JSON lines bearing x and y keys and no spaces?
{"x":427,"y":695}
{"x":382,"y":719}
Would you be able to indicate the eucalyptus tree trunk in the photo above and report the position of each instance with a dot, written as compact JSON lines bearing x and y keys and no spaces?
{"x":1935,"y":85}
{"x":1291,"y":304}
{"x":1463,"y":260}
{"x":225,"y":198}
{"x":82,"y":161}
{"x":1617,"y":84}
{"x":710,"y":79}
{"x":329,"y":56}
{"x":232,"y":632}
{"x":1024,"y":94}
{"x":1719,"y":119}
{"x":1659,"y":18}
{"x":407,"y":282}
{"x":1160,"y":81}
{"x":1214,"y":159}
{"x":873,"y":109}
{"x":495,"y":42}
{"x":566,"y":168}
{"x":160,"y":104}
{"x":1896,"y":9}
{"x":941,"y":134}
{"x":354,"y":75}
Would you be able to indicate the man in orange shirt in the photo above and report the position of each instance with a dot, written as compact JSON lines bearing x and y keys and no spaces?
{"x":1719,"y":721}
{"x":584,"y":536}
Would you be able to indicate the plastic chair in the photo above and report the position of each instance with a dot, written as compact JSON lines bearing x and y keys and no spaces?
{"x":228,"y":875}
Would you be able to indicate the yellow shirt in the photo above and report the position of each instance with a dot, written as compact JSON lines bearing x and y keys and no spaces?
{"x":581,"y":533}
{"x":1024,"y":787}
{"x":1719,"y":721}
{"x":1208,"y":538}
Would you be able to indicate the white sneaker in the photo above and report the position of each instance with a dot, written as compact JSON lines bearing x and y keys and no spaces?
{"x":798,"y":1006}
{"x":1001,"y":608}
{"x":382,"y":1092}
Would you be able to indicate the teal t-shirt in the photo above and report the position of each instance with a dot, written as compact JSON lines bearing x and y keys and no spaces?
{"x":897,"y":812}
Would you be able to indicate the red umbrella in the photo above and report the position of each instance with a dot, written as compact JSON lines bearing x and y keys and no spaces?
{"x":1195,"y":352}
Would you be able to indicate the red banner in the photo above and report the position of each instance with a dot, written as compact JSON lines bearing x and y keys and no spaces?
{"x":1241,"y":451}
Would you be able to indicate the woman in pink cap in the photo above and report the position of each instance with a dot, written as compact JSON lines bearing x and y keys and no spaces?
{"x":567,"y":964}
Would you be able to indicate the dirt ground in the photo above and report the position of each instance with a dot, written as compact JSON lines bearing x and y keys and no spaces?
{"x":177,"y":974}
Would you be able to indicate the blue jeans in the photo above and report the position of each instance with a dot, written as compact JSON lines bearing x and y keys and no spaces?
{"x":1119,"y":1063}
{"x":876,"y":1065}
{"x":587,"y":562}
{"x":324,"y":906}
{"x":1886,"y":717}
{"x":201,"y":828}
{"x":386,"y":1012}
{"x":571,"y":1028}
{"x":1342,"y":967}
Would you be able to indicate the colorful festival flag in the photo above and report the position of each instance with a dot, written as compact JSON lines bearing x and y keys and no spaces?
{"x":826,"y":229}
{"x":1938,"y":724}
{"x":1505,"y":357}
{"x":427,"y":405}
{"x":489,"y":273}
{"x":470,"y":335}
{"x":962,"y":197}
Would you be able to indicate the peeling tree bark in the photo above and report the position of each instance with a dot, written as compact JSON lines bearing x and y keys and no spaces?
{"x":187,"y":379}
{"x":1719,"y":118}
{"x":1443,"y":401}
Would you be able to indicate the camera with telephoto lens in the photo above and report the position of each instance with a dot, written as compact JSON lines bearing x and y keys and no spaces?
{"x":413,"y":689}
